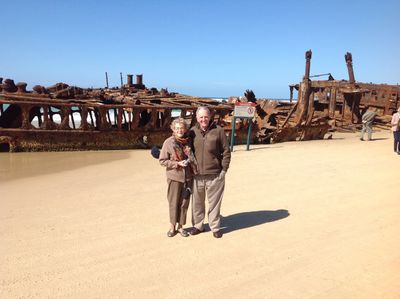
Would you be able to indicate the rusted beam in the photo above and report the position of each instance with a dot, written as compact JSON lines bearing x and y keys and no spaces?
{"x":332,"y":103}
{"x":289,"y":115}
{"x":349,"y":62}
{"x":308,"y":64}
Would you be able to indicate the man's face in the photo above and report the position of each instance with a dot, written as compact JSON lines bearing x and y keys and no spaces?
{"x":203,"y":118}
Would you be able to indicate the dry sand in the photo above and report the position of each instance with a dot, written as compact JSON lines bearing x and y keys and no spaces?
{"x":316,"y":219}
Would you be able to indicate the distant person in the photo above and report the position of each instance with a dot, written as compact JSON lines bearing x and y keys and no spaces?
{"x":213,"y":156}
{"x":177,"y":156}
{"x":396,"y":130}
{"x":367,"y":120}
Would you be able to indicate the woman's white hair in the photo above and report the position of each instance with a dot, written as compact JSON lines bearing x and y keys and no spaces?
{"x":179,"y":120}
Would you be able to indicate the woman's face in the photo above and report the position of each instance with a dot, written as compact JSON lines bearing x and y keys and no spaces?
{"x":179,"y":130}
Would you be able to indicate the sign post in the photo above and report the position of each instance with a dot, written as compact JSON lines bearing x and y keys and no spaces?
{"x":243,"y":111}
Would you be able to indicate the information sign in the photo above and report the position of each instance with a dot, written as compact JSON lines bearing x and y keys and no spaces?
{"x":244,"y":110}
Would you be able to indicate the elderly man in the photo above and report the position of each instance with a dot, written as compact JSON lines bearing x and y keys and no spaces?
{"x":213,"y":156}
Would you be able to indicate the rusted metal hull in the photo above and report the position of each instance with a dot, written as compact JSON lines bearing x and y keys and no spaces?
{"x":323,"y":106}
{"x":62,"y":118}
{"x":61,"y":140}
{"x":344,"y":101}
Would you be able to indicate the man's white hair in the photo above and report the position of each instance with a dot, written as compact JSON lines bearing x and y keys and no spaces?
{"x":203,"y":108}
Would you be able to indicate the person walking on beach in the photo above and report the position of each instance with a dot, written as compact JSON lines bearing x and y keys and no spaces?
{"x":396,"y":130}
{"x":177,"y":156}
{"x":367,"y":120}
{"x":213,"y":157}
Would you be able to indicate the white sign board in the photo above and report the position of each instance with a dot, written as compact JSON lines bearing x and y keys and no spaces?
{"x":244,"y":109}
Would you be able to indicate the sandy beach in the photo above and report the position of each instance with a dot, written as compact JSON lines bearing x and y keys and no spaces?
{"x":315,"y":219}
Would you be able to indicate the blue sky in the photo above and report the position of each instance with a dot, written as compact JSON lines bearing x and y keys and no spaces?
{"x":203,"y":48}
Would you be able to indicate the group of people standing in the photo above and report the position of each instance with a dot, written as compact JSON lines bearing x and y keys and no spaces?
{"x":367,"y":120}
{"x":196,"y":162}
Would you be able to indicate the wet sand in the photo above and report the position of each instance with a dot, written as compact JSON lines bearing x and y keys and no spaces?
{"x":316,"y":219}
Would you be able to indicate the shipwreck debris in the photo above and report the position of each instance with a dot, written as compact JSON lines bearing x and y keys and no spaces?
{"x":63,"y":117}
{"x":322,"y":106}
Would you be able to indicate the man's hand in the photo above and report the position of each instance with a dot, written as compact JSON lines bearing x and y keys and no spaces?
{"x":222,"y":175}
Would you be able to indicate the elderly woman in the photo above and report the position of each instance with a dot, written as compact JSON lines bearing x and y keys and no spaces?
{"x":177,"y":156}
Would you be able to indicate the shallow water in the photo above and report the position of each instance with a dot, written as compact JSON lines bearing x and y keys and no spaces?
{"x":21,"y":165}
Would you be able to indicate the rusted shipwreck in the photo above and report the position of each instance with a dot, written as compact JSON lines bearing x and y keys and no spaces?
{"x":323,"y":106}
{"x":63,"y":117}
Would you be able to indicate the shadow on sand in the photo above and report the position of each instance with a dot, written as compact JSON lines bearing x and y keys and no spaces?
{"x":252,"y":148}
{"x":378,"y":139}
{"x":248,"y":219}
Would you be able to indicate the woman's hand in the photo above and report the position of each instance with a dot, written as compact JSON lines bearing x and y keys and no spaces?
{"x":183,"y":163}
